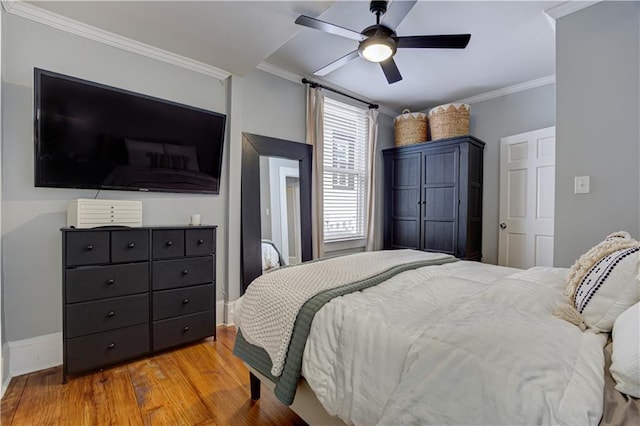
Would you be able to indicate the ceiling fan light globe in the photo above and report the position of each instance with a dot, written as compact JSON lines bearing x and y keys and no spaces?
{"x":377,"y":52}
{"x":376,"y":49}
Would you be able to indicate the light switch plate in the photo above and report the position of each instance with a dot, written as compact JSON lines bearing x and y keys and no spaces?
{"x":581,"y":185}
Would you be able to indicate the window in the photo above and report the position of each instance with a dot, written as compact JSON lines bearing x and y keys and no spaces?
{"x":345,"y":168}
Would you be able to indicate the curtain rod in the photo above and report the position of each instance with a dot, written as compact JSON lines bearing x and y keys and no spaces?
{"x":313,"y":84}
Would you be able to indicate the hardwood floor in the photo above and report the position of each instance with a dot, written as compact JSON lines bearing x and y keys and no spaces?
{"x":200,"y":384}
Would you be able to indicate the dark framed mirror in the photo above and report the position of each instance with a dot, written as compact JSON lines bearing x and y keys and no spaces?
{"x":257,"y":153}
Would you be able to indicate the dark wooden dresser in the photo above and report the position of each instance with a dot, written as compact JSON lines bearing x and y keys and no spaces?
{"x":433,"y":197}
{"x":129,"y":292}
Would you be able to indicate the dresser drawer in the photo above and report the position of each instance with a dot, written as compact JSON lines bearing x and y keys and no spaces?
{"x":97,"y":350}
{"x":182,"y":272}
{"x":129,"y":246}
{"x":93,"y":317}
{"x":168,"y":243}
{"x":172,"y":303}
{"x":187,"y":328}
{"x":199,"y":242}
{"x":87,"y":248}
{"x":100,"y":282}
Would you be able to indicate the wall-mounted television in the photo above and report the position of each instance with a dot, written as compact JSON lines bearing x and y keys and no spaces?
{"x":88,"y":135}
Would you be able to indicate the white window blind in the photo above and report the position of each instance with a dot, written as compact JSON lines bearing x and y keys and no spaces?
{"x":345,"y":168}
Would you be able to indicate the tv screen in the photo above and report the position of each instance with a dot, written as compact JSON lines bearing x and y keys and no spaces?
{"x":88,"y":135}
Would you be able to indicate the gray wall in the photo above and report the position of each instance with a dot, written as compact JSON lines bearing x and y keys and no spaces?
{"x":272,"y":106}
{"x":597,"y":58}
{"x":31,"y":217}
{"x":386,"y":139}
{"x":496,"y":118}
{"x":4,"y":349}
{"x":265,"y":198}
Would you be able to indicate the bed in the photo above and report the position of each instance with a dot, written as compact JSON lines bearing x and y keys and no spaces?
{"x":164,"y":178}
{"x":423,"y":339}
{"x":271,"y":256}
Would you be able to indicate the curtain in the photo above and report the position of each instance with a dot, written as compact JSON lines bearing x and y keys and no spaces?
{"x":372,"y":154}
{"x":315,"y":137}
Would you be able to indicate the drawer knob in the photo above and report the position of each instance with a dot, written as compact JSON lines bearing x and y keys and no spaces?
{"x":200,"y":241}
{"x":185,"y":272}
{"x":111,"y":281}
{"x":88,"y":247}
{"x":111,"y":313}
{"x":185,"y":301}
{"x":186,"y":328}
{"x":111,"y":346}
{"x":131,"y":245}
{"x":169,"y":243}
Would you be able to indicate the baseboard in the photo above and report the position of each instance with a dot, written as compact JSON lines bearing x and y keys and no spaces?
{"x":220,"y":312}
{"x":5,"y":385}
{"x":230,"y":310}
{"x":5,"y":369}
{"x":37,"y":353}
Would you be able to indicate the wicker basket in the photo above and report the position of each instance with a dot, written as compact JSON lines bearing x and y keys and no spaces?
{"x":449,"y":120}
{"x":410,"y":127}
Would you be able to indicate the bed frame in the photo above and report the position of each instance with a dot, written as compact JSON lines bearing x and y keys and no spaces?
{"x":305,"y":403}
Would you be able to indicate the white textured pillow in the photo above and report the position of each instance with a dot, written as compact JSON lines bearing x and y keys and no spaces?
{"x":142,"y":153}
{"x":609,"y":288}
{"x":625,"y":357}
{"x":187,"y":154}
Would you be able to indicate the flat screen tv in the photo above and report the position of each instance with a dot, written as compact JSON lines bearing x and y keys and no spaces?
{"x":88,"y":135}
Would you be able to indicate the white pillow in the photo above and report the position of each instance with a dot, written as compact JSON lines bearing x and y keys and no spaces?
{"x":143,"y":154}
{"x":186,"y":154}
{"x":609,"y":288}
{"x":625,"y":356}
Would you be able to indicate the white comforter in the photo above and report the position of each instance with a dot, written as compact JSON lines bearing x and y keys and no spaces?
{"x":271,"y":303}
{"x":463,"y":343}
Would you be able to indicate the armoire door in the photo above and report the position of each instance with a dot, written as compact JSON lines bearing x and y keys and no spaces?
{"x":404,"y":226}
{"x":440,"y":199}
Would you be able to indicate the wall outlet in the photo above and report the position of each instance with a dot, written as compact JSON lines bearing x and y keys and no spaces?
{"x":581,"y":185}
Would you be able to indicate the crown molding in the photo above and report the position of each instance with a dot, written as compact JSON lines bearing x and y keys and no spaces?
{"x":567,"y":8}
{"x":297,"y":78}
{"x":532,"y":84}
{"x":36,"y":14}
{"x":280,"y":72}
{"x":7,"y":4}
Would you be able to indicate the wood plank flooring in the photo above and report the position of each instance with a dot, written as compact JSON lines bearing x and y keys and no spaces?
{"x":200,"y":384}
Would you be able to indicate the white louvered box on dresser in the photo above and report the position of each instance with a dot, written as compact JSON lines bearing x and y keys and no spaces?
{"x":89,"y":213}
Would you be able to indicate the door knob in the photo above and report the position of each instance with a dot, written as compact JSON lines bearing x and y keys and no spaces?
{"x":503,"y":225}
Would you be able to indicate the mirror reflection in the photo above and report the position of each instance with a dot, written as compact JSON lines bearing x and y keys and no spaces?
{"x":279,"y":212}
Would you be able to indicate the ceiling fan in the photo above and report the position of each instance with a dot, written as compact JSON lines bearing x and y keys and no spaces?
{"x":379,"y":42}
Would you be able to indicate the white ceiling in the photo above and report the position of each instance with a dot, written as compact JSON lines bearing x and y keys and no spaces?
{"x":511,"y":41}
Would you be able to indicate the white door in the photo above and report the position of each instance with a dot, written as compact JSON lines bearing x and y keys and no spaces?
{"x":293,"y":220}
{"x":286,"y":228}
{"x":527,"y":187}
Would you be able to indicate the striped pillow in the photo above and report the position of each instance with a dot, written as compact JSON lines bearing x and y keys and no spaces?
{"x":608,"y":288}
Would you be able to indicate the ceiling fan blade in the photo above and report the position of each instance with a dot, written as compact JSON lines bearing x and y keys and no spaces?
{"x":317,"y":24}
{"x":449,"y":41}
{"x":398,"y":10}
{"x":337,"y":63}
{"x":391,"y":70}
